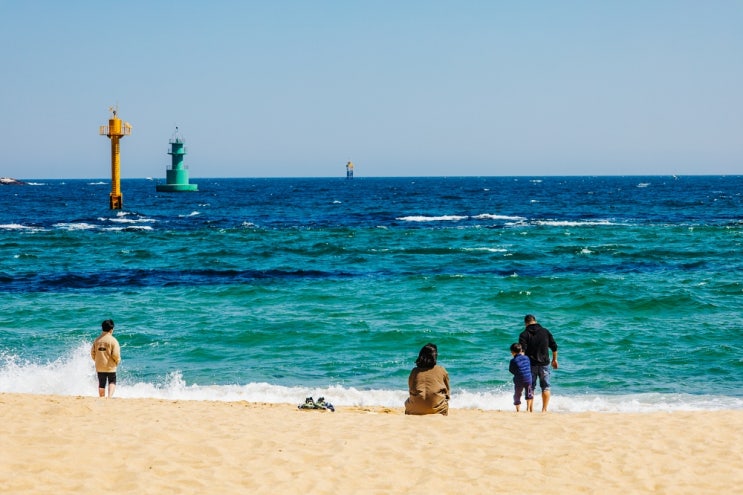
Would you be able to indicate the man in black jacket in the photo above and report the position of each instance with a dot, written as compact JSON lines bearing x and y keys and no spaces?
{"x":537,"y":342}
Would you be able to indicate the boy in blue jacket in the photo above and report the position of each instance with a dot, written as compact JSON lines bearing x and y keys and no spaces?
{"x":520,"y":366}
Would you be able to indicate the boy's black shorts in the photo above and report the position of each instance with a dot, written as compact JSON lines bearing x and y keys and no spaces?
{"x":106,"y":376}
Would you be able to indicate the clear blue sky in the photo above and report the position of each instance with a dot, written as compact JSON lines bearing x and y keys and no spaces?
{"x":402,"y":88}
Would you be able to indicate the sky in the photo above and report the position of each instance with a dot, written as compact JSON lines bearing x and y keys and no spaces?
{"x":286,"y":88}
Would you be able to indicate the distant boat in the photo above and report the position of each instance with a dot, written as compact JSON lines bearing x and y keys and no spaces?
{"x":8,"y":181}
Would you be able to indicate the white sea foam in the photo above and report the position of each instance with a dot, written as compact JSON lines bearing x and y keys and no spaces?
{"x":520,"y":223}
{"x":442,"y":218}
{"x":18,"y":226}
{"x":192,"y":214}
{"x":511,"y":220}
{"x":67,"y":375}
{"x":127,"y":219}
{"x":569,"y":223}
{"x":128,"y":227}
{"x":74,"y":374}
{"x":489,"y":216}
{"x":487,"y":249}
{"x":74,"y":226}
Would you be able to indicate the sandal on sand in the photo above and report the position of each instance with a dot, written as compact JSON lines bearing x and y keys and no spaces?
{"x":320,"y":404}
{"x":325,"y":405}
{"x":308,"y":404}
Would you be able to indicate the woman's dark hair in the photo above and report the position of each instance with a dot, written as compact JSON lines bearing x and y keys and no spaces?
{"x":427,"y":356}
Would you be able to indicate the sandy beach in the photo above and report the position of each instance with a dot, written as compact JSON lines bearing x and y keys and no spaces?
{"x":81,"y":445}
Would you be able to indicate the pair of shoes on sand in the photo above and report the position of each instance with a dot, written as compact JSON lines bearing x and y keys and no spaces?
{"x":320,"y":404}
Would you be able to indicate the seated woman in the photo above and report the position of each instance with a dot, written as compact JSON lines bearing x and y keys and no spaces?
{"x":428,"y":384}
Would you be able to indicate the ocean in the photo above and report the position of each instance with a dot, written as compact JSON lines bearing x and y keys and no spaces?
{"x":273,"y":290}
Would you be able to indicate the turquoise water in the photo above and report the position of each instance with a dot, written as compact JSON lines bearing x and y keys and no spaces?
{"x":275,"y":289}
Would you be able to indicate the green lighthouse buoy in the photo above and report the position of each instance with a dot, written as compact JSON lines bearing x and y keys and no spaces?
{"x":176,"y":177}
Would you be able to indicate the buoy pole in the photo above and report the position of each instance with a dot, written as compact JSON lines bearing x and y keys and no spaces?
{"x":115,"y":130}
{"x":116,"y":199}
